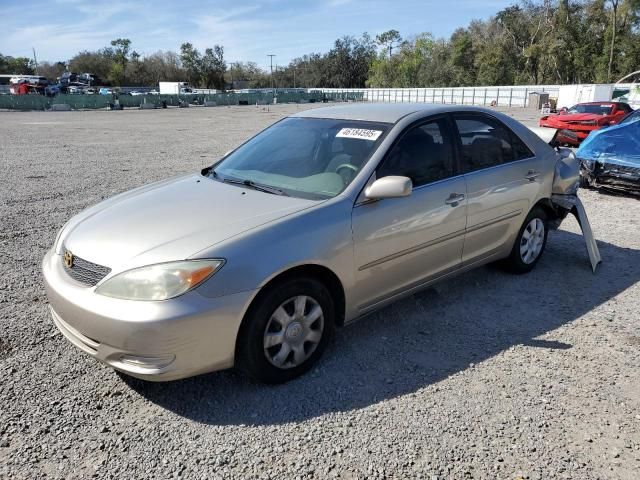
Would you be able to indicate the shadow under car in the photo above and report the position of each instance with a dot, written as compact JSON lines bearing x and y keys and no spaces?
{"x":417,"y":341}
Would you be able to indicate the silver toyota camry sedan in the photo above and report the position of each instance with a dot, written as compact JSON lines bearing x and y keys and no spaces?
{"x":316,"y":221}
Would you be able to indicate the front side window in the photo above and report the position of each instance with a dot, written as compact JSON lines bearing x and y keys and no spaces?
{"x":424,"y":154}
{"x":487,"y":143}
{"x":312,"y":158}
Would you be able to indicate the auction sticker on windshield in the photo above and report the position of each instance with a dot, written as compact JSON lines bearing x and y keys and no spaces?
{"x":360,"y":133}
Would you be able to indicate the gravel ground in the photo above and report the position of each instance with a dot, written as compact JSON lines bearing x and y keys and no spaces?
{"x":484,"y":376}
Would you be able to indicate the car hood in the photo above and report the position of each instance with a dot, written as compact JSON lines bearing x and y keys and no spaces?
{"x":170,"y":220}
{"x":618,"y":145}
{"x":576,"y":117}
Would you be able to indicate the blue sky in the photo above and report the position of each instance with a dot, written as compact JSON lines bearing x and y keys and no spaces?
{"x":248,"y":30}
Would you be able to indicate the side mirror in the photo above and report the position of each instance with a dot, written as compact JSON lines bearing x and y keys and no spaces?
{"x":389,"y":187}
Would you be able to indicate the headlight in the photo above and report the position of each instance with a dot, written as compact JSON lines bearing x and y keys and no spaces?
{"x":587,"y":164}
{"x":161,"y":281}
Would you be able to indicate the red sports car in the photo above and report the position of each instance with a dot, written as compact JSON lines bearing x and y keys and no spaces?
{"x":583,"y":118}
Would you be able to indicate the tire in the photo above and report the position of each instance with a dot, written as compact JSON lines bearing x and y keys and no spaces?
{"x":286,"y":330}
{"x":530,"y":243}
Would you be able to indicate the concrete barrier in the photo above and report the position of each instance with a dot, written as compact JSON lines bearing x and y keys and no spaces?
{"x":148,"y":106}
{"x":60,"y":107}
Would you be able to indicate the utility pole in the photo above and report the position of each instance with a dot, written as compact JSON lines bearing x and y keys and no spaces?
{"x":35,"y":60}
{"x":273,"y":93}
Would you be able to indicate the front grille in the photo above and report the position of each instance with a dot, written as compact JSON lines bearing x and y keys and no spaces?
{"x":85,"y":272}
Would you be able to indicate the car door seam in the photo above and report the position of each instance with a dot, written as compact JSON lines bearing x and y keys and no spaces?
{"x":413,"y":249}
{"x":493,"y":221}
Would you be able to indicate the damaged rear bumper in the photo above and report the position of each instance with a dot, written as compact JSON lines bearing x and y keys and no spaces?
{"x":565,"y":201}
{"x":571,"y":204}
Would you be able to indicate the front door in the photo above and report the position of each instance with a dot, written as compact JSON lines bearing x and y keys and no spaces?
{"x":402,"y":242}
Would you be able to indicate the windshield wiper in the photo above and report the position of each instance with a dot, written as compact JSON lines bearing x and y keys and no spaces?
{"x":256,"y":186}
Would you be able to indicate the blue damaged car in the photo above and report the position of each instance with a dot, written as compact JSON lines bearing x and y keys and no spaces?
{"x":610,"y":158}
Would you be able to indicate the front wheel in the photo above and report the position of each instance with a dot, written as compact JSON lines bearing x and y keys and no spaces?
{"x":529,"y":244}
{"x":286,"y":330}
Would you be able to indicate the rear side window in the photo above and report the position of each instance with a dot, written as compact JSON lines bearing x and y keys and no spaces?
{"x":486,"y":142}
{"x":424,"y":154}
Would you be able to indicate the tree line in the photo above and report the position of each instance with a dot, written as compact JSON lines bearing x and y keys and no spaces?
{"x":530,"y":42}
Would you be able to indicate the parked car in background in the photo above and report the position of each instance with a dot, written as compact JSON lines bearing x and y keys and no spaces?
{"x":105,"y":91}
{"x":610,"y":158}
{"x":52,"y":90}
{"x":69,"y":79}
{"x":27,"y":84}
{"x":584,"y":118}
{"x":89,"y":79}
{"x":316,"y":221}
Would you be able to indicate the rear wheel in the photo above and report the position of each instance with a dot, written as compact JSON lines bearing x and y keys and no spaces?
{"x":286,"y":330}
{"x":529,"y":244}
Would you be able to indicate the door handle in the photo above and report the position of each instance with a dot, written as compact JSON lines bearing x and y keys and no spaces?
{"x":454,"y":199}
{"x":532,"y":175}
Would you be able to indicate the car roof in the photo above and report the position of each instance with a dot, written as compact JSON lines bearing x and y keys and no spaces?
{"x":383,"y":112}
{"x":611,"y":102}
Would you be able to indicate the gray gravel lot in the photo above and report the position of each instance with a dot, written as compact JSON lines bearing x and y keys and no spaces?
{"x":487,"y":375}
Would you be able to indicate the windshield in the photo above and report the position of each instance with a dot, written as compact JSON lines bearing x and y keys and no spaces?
{"x":632,"y":117}
{"x":312,"y":158}
{"x":602,"y":109}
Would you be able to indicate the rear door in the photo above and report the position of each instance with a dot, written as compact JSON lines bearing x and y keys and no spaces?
{"x":503,"y":179}
{"x":401,"y":242}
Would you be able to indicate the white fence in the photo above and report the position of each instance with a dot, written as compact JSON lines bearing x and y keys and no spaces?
{"x":507,"y":96}
{"x":503,"y":96}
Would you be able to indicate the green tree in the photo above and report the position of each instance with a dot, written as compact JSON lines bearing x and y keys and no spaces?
{"x":389,"y":40}
{"x":121,"y":48}
{"x":51,"y":70}
{"x":191,"y":61}
{"x":462,"y":58}
{"x":98,"y":63}
{"x":347,"y":63}
{"x":16,"y":65}
{"x":213,"y":67}
{"x":247,"y":75}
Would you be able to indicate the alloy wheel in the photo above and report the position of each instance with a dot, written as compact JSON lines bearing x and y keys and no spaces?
{"x":532,"y":241}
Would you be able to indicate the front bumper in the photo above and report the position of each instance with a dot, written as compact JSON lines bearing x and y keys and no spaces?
{"x":612,"y":176}
{"x":156,"y":340}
